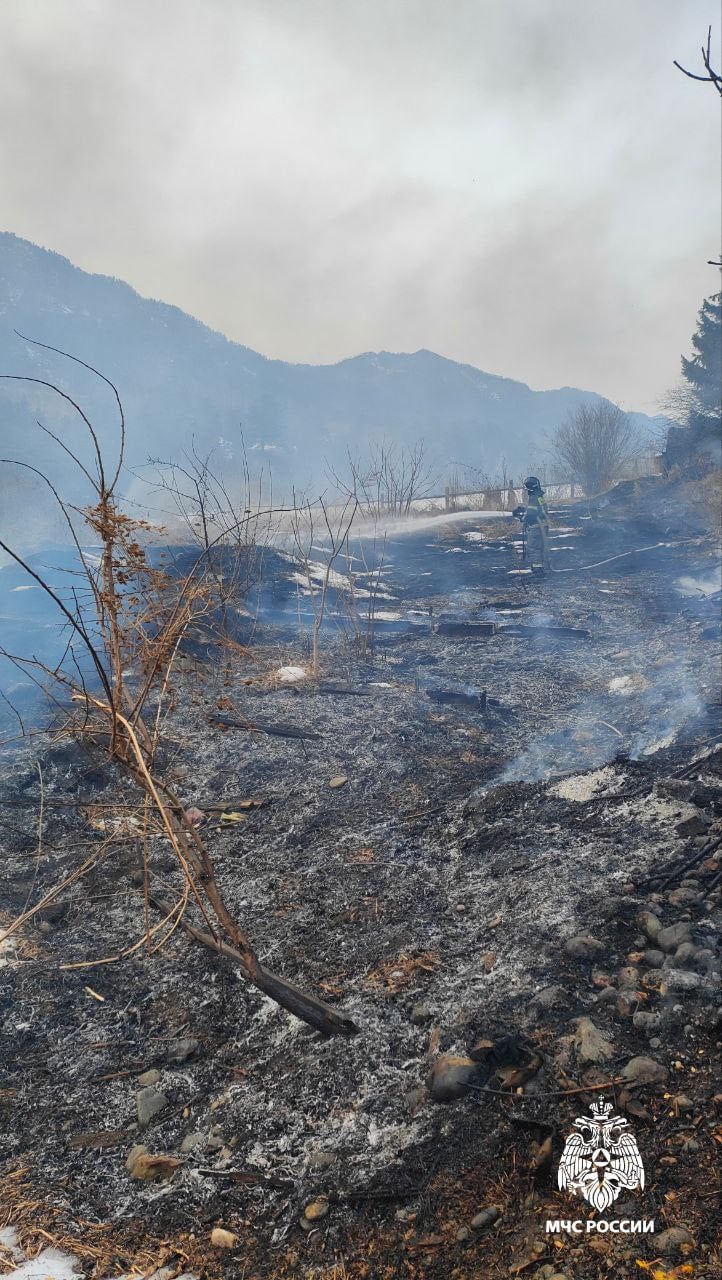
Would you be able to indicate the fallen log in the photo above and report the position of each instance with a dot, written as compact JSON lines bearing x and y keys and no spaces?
{"x":257,"y":726}
{"x":476,"y":699}
{"x":460,"y":627}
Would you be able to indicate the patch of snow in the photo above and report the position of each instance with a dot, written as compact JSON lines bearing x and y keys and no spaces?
{"x":9,"y":1244}
{"x":50,"y":1264}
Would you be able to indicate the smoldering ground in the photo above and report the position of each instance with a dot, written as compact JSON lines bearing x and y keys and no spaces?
{"x":429,"y":898}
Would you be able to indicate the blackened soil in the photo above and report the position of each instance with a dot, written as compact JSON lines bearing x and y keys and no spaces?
{"x":429,"y":896}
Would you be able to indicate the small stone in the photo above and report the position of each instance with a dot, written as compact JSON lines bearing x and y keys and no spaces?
{"x":488,"y":960}
{"x":53,"y":912}
{"x":655,"y":1043}
{"x":463,"y":1234}
{"x":149,"y":1102}
{"x":583,"y":947}
{"x":628,"y":976}
{"x":650,"y":924}
{"x":670,"y":938}
{"x":607,"y":995}
{"x":485,"y":1218}
{"x":628,"y":1003}
{"x":316,"y":1210}
{"x":135,"y":1152}
{"x":153,"y":1168}
{"x":683,"y":956}
{"x":645,"y":1021}
{"x":644,"y":1071}
{"x":420,"y":1014}
{"x":339,"y":781}
{"x":706,"y":960}
{"x":148,"y":1078}
{"x":591,"y":1044}
{"x":682,"y":1102}
{"x":694,"y":826}
{"x":182,"y":1050}
{"x":683,"y":897}
{"x":415,"y":1097}
{"x":449,"y":1077}
{"x":654,"y":959}
{"x":221,"y":1239}
{"x":670,"y":1241}
{"x":549,"y":998}
{"x":193,"y":1142}
{"x":681,"y":980}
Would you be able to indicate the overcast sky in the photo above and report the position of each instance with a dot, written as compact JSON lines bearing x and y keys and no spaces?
{"x":526,"y":185}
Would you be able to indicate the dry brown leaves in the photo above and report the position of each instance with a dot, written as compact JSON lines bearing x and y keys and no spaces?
{"x":361,"y":857}
{"x":401,"y":972}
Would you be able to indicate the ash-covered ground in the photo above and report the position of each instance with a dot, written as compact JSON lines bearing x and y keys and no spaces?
{"x":468,"y":856}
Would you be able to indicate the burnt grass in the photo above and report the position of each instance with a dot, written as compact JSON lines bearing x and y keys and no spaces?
{"x":429,"y":896}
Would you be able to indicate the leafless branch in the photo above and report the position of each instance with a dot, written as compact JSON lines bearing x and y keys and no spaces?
{"x":712,"y":76}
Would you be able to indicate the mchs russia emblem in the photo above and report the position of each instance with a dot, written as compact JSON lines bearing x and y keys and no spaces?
{"x":600,"y":1158}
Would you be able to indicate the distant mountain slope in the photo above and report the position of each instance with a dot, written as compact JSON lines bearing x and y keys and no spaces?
{"x":181,"y":381}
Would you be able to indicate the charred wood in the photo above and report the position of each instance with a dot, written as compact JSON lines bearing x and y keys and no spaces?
{"x":457,"y":698}
{"x":255,"y":726}
{"x":462,"y":628}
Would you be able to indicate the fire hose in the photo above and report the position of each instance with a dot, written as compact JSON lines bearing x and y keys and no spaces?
{"x":520,"y":511}
{"x":635,"y":551}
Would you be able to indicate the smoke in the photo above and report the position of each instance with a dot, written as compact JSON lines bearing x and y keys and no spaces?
{"x":705,"y":586}
{"x":320,"y":179}
{"x":636,"y":719}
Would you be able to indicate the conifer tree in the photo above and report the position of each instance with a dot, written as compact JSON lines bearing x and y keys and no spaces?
{"x":703,"y":372}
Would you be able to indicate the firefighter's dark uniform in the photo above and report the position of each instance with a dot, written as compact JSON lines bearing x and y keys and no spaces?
{"x":536,"y":526}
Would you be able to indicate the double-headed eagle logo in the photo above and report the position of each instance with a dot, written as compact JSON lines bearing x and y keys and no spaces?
{"x":600,"y":1158}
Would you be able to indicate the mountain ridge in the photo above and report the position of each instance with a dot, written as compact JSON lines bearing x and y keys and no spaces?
{"x":182,"y":381}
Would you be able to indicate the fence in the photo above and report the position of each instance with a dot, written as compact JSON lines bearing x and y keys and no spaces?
{"x":505,"y":497}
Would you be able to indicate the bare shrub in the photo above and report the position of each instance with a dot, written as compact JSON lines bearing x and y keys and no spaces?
{"x":703,"y":496}
{"x":389,"y":481}
{"x":128,"y":624}
{"x":308,"y":522}
{"x":594,"y":445}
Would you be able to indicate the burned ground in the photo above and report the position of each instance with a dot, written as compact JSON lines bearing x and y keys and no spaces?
{"x":475,"y":802}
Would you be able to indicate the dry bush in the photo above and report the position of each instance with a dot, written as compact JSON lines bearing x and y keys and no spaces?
{"x":703,"y":496}
{"x":595,"y":444}
{"x":127,"y":627}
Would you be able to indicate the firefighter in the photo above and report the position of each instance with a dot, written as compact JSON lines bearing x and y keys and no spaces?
{"x":536,"y":523}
